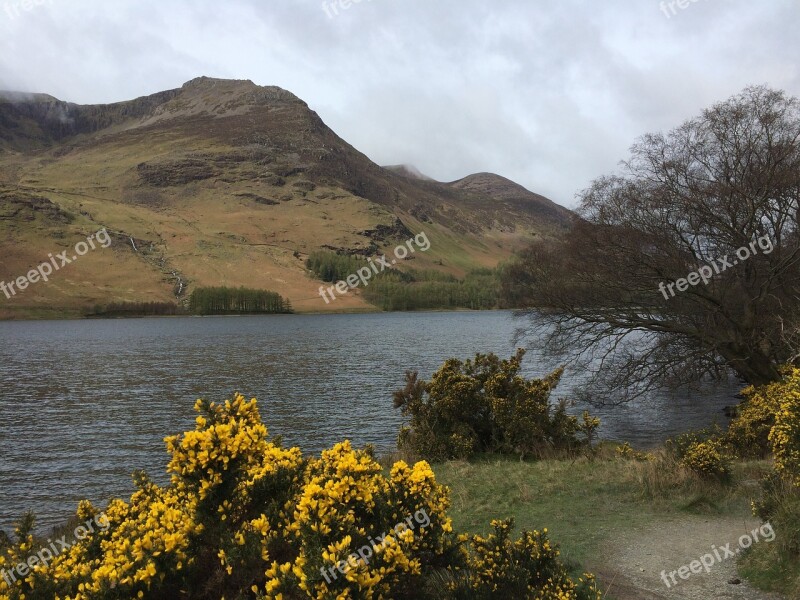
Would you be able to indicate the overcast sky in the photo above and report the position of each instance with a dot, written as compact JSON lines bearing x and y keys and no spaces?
{"x":548,"y":93}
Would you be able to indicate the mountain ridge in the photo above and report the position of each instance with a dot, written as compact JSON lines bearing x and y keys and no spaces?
{"x":216,"y":171}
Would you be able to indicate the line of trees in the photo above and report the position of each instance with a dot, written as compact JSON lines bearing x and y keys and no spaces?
{"x":135,"y":309}
{"x":332,"y":267}
{"x":477,"y":291}
{"x":228,"y":301}
{"x":428,"y":289}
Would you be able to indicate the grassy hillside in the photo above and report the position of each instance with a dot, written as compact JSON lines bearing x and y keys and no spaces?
{"x":224,"y":183}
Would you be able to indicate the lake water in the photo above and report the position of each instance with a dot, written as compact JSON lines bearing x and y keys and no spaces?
{"x":85,"y":403}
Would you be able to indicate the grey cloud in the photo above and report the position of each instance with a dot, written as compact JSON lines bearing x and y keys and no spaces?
{"x":548,"y":94}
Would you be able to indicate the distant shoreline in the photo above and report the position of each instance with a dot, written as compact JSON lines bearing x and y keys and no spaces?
{"x":69,"y":315}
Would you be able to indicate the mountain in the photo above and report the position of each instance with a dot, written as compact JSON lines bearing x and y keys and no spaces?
{"x":513,"y":195}
{"x":223,"y":182}
{"x":409,"y":171}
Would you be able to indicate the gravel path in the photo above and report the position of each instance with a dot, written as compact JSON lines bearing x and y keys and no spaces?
{"x":632,"y":564}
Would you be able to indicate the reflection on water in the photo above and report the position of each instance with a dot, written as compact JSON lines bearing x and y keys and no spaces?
{"x":85,"y":403}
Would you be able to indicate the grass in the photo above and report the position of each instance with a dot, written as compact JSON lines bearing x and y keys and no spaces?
{"x":577,"y":501}
{"x":584,"y":502}
{"x":775,"y":566}
{"x":767,"y":569}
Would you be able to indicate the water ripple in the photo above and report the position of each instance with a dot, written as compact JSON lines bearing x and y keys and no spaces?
{"x":85,"y":403}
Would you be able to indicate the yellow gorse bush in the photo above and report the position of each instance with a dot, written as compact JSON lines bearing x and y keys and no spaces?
{"x":779,"y":501}
{"x":785,"y":435}
{"x":707,"y":459}
{"x":769,"y":422}
{"x":243,"y":517}
{"x":526,"y":568}
{"x":626,"y":452}
{"x":748,"y":433}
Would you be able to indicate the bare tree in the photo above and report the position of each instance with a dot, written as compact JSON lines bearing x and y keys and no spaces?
{"x":648,"y":284}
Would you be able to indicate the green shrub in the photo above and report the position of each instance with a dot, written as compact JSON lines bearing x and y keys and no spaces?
{"x":485,"y":406}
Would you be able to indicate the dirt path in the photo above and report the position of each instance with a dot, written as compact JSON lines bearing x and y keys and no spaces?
{"x":630,"y":567}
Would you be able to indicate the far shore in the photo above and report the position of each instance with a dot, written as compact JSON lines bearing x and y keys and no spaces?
{"x":62,"y":314}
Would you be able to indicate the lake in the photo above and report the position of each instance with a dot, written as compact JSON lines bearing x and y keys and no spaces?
{"x":85,"y":403}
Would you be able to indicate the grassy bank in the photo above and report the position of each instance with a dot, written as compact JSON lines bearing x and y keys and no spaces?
{"x":588,"y":503}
